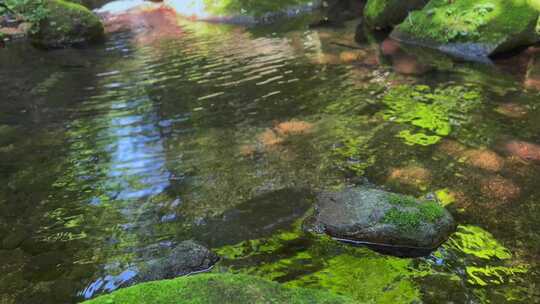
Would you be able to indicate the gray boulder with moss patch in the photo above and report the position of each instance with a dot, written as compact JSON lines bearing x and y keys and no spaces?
{"x":67,"y":24}
{"x":471,"y":29}
{"x":393,"y":223}
{"x":388,"y":13}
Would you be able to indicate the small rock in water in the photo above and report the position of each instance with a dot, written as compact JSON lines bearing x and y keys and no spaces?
{"x":387,"y":222}
{"x":186,"y":258}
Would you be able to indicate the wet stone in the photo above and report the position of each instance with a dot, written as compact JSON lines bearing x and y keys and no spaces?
{"x":391,"y":223}
{"x":186,"y":258}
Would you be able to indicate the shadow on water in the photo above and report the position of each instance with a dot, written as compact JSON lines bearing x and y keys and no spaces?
{"x":221,"y":133}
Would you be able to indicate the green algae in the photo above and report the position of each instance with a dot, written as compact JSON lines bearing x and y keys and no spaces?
{"x":445,"y":197}
{"x":493,"y":275}
{"x":366,"y":279}
{"x":478,"y":242}
{"x":217,"y":288}
{"x":428,"y":109}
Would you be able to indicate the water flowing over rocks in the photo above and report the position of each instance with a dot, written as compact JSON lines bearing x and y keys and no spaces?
{"x":391,"y":223}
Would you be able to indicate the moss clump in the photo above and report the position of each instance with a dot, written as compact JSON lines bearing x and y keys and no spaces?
{"x":388,"y":13}
{"x":498,"y":24}
{"x":217,"y":288}
{"x":67,"y":24}
{"x":410,"y":218}
{"x":401,"y":200}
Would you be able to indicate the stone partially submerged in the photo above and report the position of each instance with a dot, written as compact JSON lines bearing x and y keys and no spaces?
{"x":186,"y":258}
{"x":471,"y":29}
{"x":391,"y":223}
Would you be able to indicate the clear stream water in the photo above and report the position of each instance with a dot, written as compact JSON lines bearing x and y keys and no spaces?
{"x":111,"y":155}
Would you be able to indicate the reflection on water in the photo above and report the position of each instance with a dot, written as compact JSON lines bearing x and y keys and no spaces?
{"x":180,"y":130}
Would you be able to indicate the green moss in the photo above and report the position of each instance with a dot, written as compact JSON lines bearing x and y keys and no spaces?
{"x":401,"y":200}
{"x":431,"y":211}
{"x":428,"y":109}
{"x":387,"y":13}
{"x":216,"y":288}
{"x":250,"y":7}
{"x":488,"y":21}
{"x":66,"y":24}
{"x":410,"y":218}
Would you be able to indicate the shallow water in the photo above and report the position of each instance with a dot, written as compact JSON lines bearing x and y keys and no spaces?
{"x":223,"y":134}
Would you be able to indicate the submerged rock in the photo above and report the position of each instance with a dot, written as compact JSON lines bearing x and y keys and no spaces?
{"x":186,"y":258}
{"x":471,"y":29}
{"x":392,"y":223}
{"x":218,"y":288}
{"x":67,"y":24}
{"x":388,"y":13}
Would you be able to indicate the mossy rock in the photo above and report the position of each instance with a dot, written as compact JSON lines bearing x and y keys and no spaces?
{"x":67,"y":24}
{"x":388,"y":13}
{"x":217,"y":289}
{"x":472,"y":29}
{"x":393,"y":223}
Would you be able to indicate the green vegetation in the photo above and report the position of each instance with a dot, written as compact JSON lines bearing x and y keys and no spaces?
{"x":368,"y":279}
{"x":33,"y":11}
{"x":250,"y":7}
{"x":496,"y":275}
{"x":355,"y":272}
{"x":428,"y":109}
{"x":217,"y":288}
{"x":387,"y":13}
{"x":479,"y":243}
{"x":67,"y":24}
{"x":402,"y":200}
{"x":508,"y":22}
{"x":411,"y":218}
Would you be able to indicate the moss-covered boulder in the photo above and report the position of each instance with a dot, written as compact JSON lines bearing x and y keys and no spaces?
{"x":67,"y":24}
{"x":388,"y":13}
{"x":392,"y":223}
{"x":472,"y":29}
{"x":217,"y":289}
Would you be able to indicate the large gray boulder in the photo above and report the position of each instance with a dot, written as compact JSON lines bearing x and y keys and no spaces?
{"x":393,"y":223}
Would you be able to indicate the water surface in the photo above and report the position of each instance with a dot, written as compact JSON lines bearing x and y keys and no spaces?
{"x":109,"y":156}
